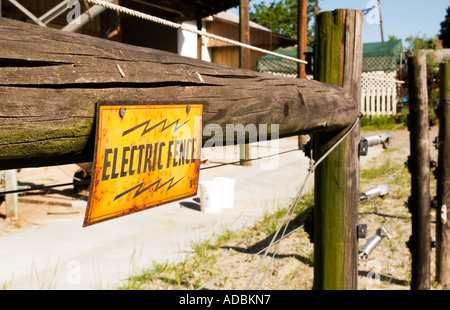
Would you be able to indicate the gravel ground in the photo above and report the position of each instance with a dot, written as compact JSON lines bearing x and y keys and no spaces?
{"x":387,"y":268}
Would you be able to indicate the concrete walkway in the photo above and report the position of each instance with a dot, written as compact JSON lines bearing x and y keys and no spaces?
{"x":63,"y":255}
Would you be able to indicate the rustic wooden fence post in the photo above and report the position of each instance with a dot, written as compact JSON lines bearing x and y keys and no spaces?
{"x":302,"y":48}
{"x":338,"y":61}
{"x":443,"y":181}
{"x":419,"y":164}
{"x":244,"y":63}
{"x":302,"y":34}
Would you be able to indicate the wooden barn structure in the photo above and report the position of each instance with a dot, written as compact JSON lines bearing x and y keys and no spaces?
{"x":210,"y":16}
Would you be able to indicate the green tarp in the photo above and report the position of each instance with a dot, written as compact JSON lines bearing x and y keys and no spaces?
{"x":376,"y":57}
{"x":276,"y":64}
{"x":381,"y":56}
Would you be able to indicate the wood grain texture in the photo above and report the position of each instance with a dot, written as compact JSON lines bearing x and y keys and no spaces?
{"x":50,"y":82}
{"x":419,"y":162}
{"x":443,"y":181}
{"x":336,"y":187}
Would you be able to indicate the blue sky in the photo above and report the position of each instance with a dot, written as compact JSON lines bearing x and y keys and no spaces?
{"x":402,"y":18}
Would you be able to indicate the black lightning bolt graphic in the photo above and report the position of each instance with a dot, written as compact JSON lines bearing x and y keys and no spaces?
{"x":140,"y":191}
{"x":147,"y":123}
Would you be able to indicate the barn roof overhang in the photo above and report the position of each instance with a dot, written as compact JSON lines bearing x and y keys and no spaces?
{"x":181,"y":10}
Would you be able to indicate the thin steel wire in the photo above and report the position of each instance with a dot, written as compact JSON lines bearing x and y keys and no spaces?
{"x":80,"y":181}
{"x":252,"y":159}
{"x":288,"y":215}
{"x":38,"y":187}
{"x":311,"y":169}
{"x":247,"y":259}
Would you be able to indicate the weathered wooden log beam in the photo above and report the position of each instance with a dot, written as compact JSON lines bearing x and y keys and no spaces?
{"x":51,"y":80}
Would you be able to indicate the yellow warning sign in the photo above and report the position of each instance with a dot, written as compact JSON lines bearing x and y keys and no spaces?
{"x":146,"y":155}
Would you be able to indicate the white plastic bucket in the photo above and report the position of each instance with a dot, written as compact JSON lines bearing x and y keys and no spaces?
{"x":227,"y":186}
{"x":210,"y":196}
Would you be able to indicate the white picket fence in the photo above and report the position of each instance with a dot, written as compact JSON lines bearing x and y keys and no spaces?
{"x":379,"y":93}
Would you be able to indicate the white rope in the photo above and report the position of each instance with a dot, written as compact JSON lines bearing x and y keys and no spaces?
{"x":161,"y":21}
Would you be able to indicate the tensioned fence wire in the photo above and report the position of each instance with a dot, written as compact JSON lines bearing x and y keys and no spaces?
{"x":286,"y":219}
{"x":85,"y":181}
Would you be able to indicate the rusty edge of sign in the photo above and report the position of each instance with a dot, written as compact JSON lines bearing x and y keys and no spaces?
{"x":87,"y":219}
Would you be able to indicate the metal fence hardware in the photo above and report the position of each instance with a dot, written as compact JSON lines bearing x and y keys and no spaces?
{"x":373,"y":242}
{"x":378,"y":191}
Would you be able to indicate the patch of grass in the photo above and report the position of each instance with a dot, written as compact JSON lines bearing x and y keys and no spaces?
{"x":148,"y":274}
{"x":389,"y":169}
{"x":203,"y":264}
{"x":46,"y":278}
{"x":384,"y":122}
{"x":5,"y":285}
{"x":224,"y":238}
{"x":378,"y":122}
{"x":391,"y":212}
{"x":386,"y":169}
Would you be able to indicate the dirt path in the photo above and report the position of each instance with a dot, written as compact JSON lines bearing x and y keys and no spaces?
{"x":42,"y":207}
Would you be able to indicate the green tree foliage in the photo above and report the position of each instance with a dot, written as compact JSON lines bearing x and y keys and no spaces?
{"x":423,"y":44}
{"x":392,"y":38}
{"x":445,"y":30}
{"x":281,"y":16}
{"x":417,"y":43}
